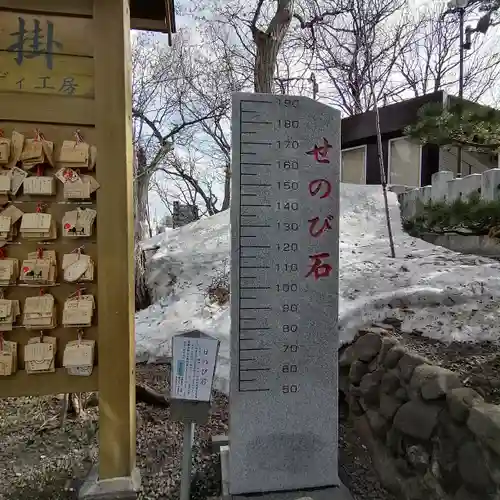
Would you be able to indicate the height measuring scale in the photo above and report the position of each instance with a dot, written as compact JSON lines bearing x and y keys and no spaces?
{"x":284,"y":265}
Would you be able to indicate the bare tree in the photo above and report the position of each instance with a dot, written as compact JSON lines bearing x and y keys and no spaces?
{"x":161,"y":90}
{"x":431,"y":62}
{"x":340,"y":56}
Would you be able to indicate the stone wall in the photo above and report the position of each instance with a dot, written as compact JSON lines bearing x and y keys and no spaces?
{"x":446,"y":188}
{"x":429,"y":437}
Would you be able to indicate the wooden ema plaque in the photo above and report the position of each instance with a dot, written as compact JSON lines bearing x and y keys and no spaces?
{"x":66,"y":215}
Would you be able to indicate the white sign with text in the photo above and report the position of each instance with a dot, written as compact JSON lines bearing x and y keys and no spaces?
{"x":193,"y":367}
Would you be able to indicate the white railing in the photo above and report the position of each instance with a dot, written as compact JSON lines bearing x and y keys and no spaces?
{"x":446,"y":188}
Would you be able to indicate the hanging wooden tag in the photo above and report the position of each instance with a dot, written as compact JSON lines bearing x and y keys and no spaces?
{"x":39,"y":355}
{"x":13,"y":212}
{"x":35,"y":271}
{"x":5,"y":181}
{"x":78,"y":358}
{"x":17,"y":179}
{"x":76,"y":267}
{"x":78,"y":223}
{"x":5,"y":226}
{"x":78,"y":311}
{"x":39,"y":312}
{"x":9,"y":271}
{"x":67,"y":175}
{"x":8,"y":358}
{"x":94,"y":185}
{"x":5,"y":148}
{"x":78,"y":190}
{"x":9,"y":312}
{"x":17,"y":145}
{"x":75,"y":152}
{"x":32,"y":151}
{"x":39,"y":185}
{"x":36,"y":223}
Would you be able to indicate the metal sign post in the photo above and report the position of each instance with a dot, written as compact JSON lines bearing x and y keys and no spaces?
{"x":194,"y":357}
{"x":284,"y":235}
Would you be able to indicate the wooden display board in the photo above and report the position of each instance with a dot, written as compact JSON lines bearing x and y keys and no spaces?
{"x":65,"y":66}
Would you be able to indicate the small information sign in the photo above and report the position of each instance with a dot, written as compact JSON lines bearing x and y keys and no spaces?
{"x":193,"y":366}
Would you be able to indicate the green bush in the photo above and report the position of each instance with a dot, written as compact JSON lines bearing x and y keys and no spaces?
{"x":474,"y":217}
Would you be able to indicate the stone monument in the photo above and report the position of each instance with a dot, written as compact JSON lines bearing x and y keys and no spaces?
{"x":284,"y":294}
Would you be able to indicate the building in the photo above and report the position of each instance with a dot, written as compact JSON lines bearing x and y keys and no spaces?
{"x":407,"y":161}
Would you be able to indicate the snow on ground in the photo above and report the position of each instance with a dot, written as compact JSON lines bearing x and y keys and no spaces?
{"x":443,"y":294}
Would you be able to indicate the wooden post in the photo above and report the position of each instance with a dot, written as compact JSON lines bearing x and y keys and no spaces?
{"x":113,"y":95}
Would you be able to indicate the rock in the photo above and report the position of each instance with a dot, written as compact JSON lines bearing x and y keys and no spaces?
{"x":387,"y":344}
{"x":384,"y":326}
{"x":369,"y":387}
{"x":401,"y":394}
{"x":433,"y":382}
{"x":390,"y":382}
{"x":368,"y":346}
{"x":484,"y":422}
{"x":393,"y":356}
{"x":389,"y":405}
{"x":418,"y":458}
{"x":357,"y":371}
{"x":464,"y":494}
{"x":460,"y":401}
{"x":394,"y":441}
{"x":417,"y":419}
{"x":393,"y":321}
{"x":347,"y":356}
{"x":456,"y":433}
{"x":354,"y":406}
{"x":373,"y":329}
{"x":408,"y":363}
{"x":377,"y":423}
{"x":472,"y":468}
{"x":444,"y":453}
{"x":373,"y":365}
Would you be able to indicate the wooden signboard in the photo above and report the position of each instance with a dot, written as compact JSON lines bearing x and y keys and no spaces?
{"x":65,"y":117}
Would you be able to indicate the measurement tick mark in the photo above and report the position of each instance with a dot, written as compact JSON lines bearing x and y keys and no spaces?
{"x":263,"y":205}
{"x":255,"y":308}
{"x":254,"y":369}
{"x":260,"y":123}
{"x":242,"y":173}
{"x":256,"y":163}
{"x":248,"y":379}
{"x":249,"y":194}
{"x":255,"y":246}
{"x":253,"y":390}
{"x":255,"y":288}
{"x":255,"y":184}
{"x":261,"y":328}
{"x":255,"y":349}
{"x":257,"y":101}
{"x":255,"y":225}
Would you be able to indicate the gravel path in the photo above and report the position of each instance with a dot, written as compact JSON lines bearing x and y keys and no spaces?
{"x":39,"y":460}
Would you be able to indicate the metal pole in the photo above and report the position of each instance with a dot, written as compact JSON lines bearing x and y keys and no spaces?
{"x":187,"y":451}
{"x":461,"y":13}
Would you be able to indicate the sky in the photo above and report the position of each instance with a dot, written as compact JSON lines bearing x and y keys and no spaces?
{"x":185,"y":21}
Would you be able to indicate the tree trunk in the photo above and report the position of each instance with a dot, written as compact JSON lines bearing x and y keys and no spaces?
{"x":268,"y":44}
{"x":383,"y":178}
{"x":227,"y":189}
{"x":141,"y":198}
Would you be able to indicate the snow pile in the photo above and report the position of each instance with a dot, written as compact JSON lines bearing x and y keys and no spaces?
{"x":441,"y":293}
